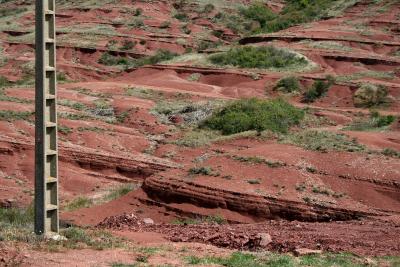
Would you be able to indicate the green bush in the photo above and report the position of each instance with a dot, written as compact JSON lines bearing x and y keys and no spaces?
{"x":111,"y":60}
{"x":16,"y":217}
{"x":208,"y":8}
{"x":295,"y":12}
{"x":258,"y":12}
{"x":4,"y":82}
{"x":255,"y":114}
{"x":128,"y":45}
{"x":318,"y":90}
{"x":369,"y":95}
{"x":390,"y":152}
{"x":207,"y":171}
{"x":263,"y":57}
{"x":181,"y":17}
{"x":138,"y":12}
{"x":288,"y":84}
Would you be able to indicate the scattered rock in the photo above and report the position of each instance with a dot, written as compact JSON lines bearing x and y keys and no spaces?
{"x":148,"y":221}
{"x":369,"y":262}
{"x":58,"y":238}
{"x":176,"y":119}
{"x":264,"y":239}
{"x":305,"y":251}
{"x":121,"y":221}
{"x":7,"y":203}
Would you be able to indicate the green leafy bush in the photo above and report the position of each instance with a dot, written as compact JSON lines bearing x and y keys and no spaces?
{"x":254,"y":114}
{"x":181,"y":17}
{"x":263,"y":57}
{"x":258,"y":12}
{"x":318,"y":90}
{"x":288,"y":85}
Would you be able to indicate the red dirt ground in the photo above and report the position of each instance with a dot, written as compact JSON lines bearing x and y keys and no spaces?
{"x":359,"y":214}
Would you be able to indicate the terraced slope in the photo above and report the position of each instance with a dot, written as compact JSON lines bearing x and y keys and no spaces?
{"x":137,"y":78}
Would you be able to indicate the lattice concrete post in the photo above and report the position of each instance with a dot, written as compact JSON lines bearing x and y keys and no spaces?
{"x":46,"y":155}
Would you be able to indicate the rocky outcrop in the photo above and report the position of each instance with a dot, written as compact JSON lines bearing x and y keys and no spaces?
{"x":169,"y":190}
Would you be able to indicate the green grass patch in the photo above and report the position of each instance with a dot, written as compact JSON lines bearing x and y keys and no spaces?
{"x":10,"y":115}
{"x":91,"y":129}
{"x":64,"y":129}
{"x":322,"y":141}
{"x":4,"y":82}
{"x":263,"y":57}
{"x":254,"y":114}
{"x":72,"y":104}
{"x":79,"y":238}
{"x":207,"y":171}
{"x":211,"y":219}
{"x":119,"y":192}
{"x":111,"y":60}
{"x":240,"y":259}
{"x":258,"y":160}
{"x":124,"y":265}
{"x":4,"y":97}
{"x":375,"y":121}
{"x":390,"y":152}
{"x":327,"y":45}
{"x":144,"y":93}
{"x":186,"y":221}
{"x":16,"y":224}
{"x":380,"y":75}
{"x":79,"y":203}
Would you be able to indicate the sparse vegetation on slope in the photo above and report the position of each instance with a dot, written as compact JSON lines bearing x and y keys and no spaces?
{"x":376,"y":121}
{"x":9,"y":115}
{"x":111,"y":60}
{"x":322,"y":141}
{"x":318,"y":90}
{"x":240,"y":259}
{"x":255,"y":114}
{"x":370,"y":95}
{"x":295,"y":12}
{"x":265,"y":57}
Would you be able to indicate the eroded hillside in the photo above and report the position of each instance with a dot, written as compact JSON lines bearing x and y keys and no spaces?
{"x":148,"y":122}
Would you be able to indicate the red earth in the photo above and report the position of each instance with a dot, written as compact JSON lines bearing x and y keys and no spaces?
{"x":331,"y":200}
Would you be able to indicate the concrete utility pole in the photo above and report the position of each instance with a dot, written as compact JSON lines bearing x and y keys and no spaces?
{"x":46,"y":155}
